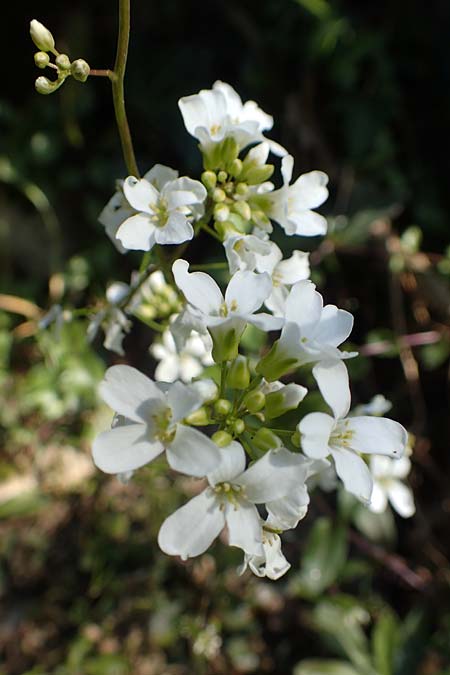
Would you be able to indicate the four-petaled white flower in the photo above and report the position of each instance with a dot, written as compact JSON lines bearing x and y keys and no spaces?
{"x":230,"y":500}
{"x":112,"y":319}
{"x":245,"y":294}
{"x":271,"y":563}
{"x":215,"y":114}
{"x":291,"y":206}
{"x":388,"y":475}
{"x":149,"y":422}
{"x":344,"y":438}
{"x":164,"y":206}
{"x":185,"y":363}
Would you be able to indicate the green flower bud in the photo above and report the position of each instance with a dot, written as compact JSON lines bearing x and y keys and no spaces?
{"x":222,"y":176}
{"x":222,"y":407}
{"x":41,"y":36}
{"x":229,"y":150}
{"x":243,"y":210}
{"x":222,"y":438}
{"x":254,"y":401}
{"x":281,"y":401}
{"x":241,"y":189}
{"x":275,"y":363}
{"x":235,"y":167}
{"x":63,"y":62}
{"x":225,"y":229}
{"x":209,"y":180}
{"x":295,"y":439}
{"x":218,"y":195}
{"x":259,"y":174}
{"x":41,"y":59}
{"x":80,"y":70}
{"x":226,"y":341}
{"x":265,"y":440}
{"x":238,"y":427}
{"x":45,"y":86}
{"x":239,"y":373}
{"x":221,"y":212}
{"x":260,"y":219}
{"x":198,"y":418}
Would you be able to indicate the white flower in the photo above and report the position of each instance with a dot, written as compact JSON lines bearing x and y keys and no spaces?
{"x":151,"y":421}
{"x":244,"y":250}
{"x":311,"y":332}
{"x":245,"y":294}
{"x":377,"y":406}
{"x":387,"y":477}
{"x":164,"y":207}
{"x":284,"y":273}
{"x":183,"y":364}
{"x":112,"y":319}
{"x":271,"y":563}
{"x":113,"y":215}
{"x":215,"y":114}
{"x":230,"y":500}
{"x":291,"y":205}
{"x":345,"y":437}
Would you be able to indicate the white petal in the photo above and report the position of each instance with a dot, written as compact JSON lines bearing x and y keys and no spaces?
{"x":193,"y":527}
{"x":273,"y":476}
{"x":199,"y":288}
{"x":130,"y":393}
{"x":332,"y":378}
{"x":306,"y":224}
{"x":124,"y":448}
{"x":285,"y":513}
{"x":377,"y":435}
{"x":315,"y":430}
{"x":400,"y":468}
{"x":182,"y":400}
{"x":137,"y":233}
{"x":192,"y":453}
{"x":265,"y":322}
{"x":244,"y":527}
{"x":140,"y":194}
{"x":177,"y":230}
{"x":401,"y":498}
{"x":378,"y":499}
{"x":309,"y":190}
{"x":334,"y":327}
{"x":247,"y":291}
{"x":354,"y":473}
{"x":159,"y":175}
{"x":168,"y":369}
{"x":287,"y":166}
{"x":232,"y":464}
{"x":304,"y":306}
{"x":293,"y":269}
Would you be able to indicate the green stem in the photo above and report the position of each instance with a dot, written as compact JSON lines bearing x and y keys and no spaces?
{"x":223,"y":378}
{"x":211,"y":232}
{"x":209,"y":266}
{"x":117,"y":79}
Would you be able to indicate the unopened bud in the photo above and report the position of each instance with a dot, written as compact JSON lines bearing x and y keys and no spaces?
{"x":63,"y":62}
{"x":287,"y":398}
{"x":225,"y":229}
{"x":41,"y":36}
{"x":259,"y":174}
{"x":254,"y":401}
{"x":222,"y":407}
{"x":45,"y":86}
{"x":241,"y":189}
{"x":218,"y":195}
{"x":41,"y":59}
{"x":243,"y":210}
{"x":238,"y":427}
{"x":265,"y":440}
{"x":198,"y":418}
{"x":222,"y":438}
{"x":221,"y":212}
{"x":222,"y":176}
{"x":235,"y":167}
{"x":229,"y":150}
{"x":80,"y":70}
{"x":239,"y":373}
{"x":209,"y":180}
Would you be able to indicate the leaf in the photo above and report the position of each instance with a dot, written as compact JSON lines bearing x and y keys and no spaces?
{"x":319,"y":667}
{"x":324,"y":557}
{"x":384,"y":641}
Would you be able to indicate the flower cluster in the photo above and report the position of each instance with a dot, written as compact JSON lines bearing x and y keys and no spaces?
{"x":213,"y":409}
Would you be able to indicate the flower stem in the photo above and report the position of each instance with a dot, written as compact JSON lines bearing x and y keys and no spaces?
{"x":117,"y":80}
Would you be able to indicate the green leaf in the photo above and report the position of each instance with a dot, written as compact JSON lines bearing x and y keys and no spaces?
{"x":319,"y":667}
{"x":324,"y":557}
{"x":384,"y":642}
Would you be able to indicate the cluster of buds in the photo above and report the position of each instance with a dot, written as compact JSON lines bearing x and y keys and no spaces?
{"x":64,"y":67}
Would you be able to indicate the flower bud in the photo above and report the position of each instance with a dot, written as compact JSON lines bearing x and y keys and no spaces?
{"x":238,"y":427}
{"x":235,"y":167}
{"x":198,"y":418}
{"x":226,"y":341}
{"x":243,"y":210}
{"x":222,"y":407}
{"x":45,"y":86}
{"x":221,"y":212}
{"x":241,"y":189}
{"x":63,"y":62}
{"x":41,"y":36}
{"x":259,"y":174}
{"x":222,"y":438}
{"x":209,"y":180}
{"x":218,"y":195}
{"x":41,"y":59}
{"x":239,"y":373}
{"x":261,"y":220}
{"x":265,"y":440}
{"x":281,"y":401}
{"x":222,"y":176}
{"x":80,"y":70}
{"x":229,"y":150}
{"x":254,"y":401}
{"x":225,"y":229}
